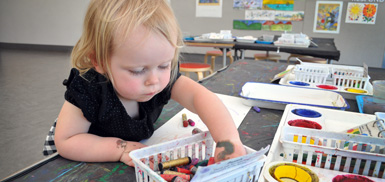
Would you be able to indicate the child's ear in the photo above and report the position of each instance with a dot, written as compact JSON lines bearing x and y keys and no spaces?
{"x":98,"y":68}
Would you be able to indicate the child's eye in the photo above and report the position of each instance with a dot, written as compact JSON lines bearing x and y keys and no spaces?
{"x":164,"y":66}
{"x":137,"y":72}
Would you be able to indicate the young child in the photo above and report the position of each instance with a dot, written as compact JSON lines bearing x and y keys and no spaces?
{"x":125,"y":71}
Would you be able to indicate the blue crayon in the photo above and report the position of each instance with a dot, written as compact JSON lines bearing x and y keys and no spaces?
{"x":257,"y":109}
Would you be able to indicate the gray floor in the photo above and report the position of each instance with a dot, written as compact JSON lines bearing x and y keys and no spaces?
{"x":31,"y":95}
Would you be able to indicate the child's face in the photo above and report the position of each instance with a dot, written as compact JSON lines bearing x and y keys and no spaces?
{"x":141,"y":65}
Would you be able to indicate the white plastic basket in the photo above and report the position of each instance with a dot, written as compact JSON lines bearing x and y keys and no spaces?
{"x":350,"y":153}
{"x":350,"y":78}
{"x":311,"y":74}
{"x":197,"y":146}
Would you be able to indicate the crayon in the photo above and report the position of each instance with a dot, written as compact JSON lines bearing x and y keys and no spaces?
{"x":175,"y":173}
{"x":194,"y":161}
{"x":257,"y":109}
{"x":169,"y":177}
{"x":173,"y":163}
{"x":184,"y":119}
{"x":191,"y":168}
{"x":196,"y":130}
{"x":181,"y":170}
{"x":211,"y":161}
{"x":202,"y":163}
{"x":178,"y":179}
{"x":191,"y":122}
{"x":185,"y":123}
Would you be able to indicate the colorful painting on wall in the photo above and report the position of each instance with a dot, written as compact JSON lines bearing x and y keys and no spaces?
{"x":364,"y":13}
{"x":259,"y":15}
{"x":247,"y":4}
{"x":289,"y":15}
{"x":247,"y":24}
{"x":282,"y":5}
{"x":208,"y":2}
{"x":281,"y":26}
{"x":327,"y":16}
{"x":274,"y":15}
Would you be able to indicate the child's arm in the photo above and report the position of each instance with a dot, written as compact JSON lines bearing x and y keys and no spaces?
{"x":213,"y":113}
{"x":73,"y":141}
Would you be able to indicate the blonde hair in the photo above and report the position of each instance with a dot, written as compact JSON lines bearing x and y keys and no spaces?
{"x":105,"y":18}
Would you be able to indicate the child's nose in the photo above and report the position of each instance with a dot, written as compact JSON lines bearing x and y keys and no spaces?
{"x":152,"y":78}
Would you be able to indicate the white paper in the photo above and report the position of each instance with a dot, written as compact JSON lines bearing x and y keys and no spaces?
{"x":205,"y":9}
{"x":173,"y":129}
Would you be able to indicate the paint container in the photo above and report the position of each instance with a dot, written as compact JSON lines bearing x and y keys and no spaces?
{"x":356,"y":90}
{"x":302,"y":116}
{"x":327,"y":87}
{"x":297,"y":83}
{"x":290,"y":172}
{"x":305,"y":124}
{"x":351,"y":178}
{"x":307,"y":113}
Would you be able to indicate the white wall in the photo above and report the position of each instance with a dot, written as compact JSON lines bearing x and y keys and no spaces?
{"x":45,"y":22}
{"x":59,"y":22}
{"x":357,"y":43}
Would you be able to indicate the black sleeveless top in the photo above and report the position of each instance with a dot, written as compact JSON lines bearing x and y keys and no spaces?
{"x":96,"y":97}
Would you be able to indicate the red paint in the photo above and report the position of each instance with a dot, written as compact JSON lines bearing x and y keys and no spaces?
{"x":328,"y":87}
{"x":244,"y":132}
{"x":351,"y":178}
{"x":305,"y":124}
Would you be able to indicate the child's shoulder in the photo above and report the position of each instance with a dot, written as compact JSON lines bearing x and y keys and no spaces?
{"x":86,"y":81}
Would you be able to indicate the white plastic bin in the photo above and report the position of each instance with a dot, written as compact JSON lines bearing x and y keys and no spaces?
{"x":311,"y":74}
{"x":350,"y":78}
{"x":335,"y":151}
{"x":197,"y":146}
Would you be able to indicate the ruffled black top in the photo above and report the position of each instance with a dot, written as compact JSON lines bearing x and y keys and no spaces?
{"x":96,"y":97}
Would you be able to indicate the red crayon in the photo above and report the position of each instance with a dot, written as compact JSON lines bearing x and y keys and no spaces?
{"x":181,"y":170}
{"x":211,"y":161}
{"x":184,"y":119}
{"x":169,"y":177}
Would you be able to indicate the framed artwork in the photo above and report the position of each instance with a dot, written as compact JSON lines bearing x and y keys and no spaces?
{"x":327,"y":17}
{"x":364,"y":13}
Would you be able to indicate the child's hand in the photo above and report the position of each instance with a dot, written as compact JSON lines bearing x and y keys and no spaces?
{"x":228,"y":149}
{"x":128,"y":147}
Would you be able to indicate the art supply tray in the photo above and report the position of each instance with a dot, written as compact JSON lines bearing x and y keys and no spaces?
{"x":275,"y":96}
{"x":199,"y":146}
{"x":329,"y":151}
{"x":346,"y":80}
